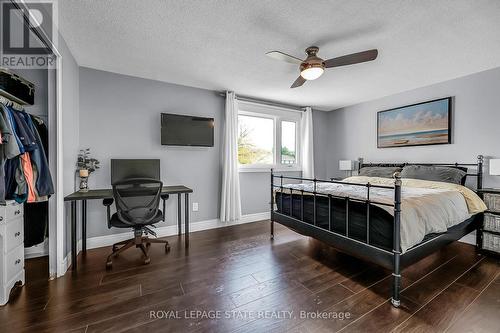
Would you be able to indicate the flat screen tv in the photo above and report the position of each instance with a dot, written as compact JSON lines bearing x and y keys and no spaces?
{"x":183,"y":130}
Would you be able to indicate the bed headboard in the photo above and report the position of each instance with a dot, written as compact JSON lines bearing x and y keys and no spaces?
{"x":478,"y":172}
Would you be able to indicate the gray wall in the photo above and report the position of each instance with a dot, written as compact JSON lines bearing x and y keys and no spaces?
{"x":70,"y":124}
{"x":255,"y":191}
{"x":476,"y":117}
{"x":120,"y":118}
{"x":321,"y":132}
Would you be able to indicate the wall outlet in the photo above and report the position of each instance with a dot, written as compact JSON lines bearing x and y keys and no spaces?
{"x":195,"y":206}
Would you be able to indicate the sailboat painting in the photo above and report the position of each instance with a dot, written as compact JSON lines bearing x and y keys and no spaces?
{"x":427,"y":123}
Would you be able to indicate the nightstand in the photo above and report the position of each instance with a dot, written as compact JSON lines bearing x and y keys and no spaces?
{"x":490,"y":231}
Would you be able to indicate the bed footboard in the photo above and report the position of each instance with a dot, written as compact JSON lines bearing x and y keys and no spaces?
{"x":392,"y":260}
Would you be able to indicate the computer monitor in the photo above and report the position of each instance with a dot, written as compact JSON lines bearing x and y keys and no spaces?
{"x":122,"y":169}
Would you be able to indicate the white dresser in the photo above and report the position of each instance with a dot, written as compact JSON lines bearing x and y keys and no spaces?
{"x":11,"y":248}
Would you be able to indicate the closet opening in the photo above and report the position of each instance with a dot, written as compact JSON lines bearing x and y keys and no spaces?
{"x":26,"y":182}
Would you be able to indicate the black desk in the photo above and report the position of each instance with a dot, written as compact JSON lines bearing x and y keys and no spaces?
{"x":108,"y":194}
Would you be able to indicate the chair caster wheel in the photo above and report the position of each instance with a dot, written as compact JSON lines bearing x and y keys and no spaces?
{"x":167,"y":248}
{"x":109,"y":264}
{"x":147,"y":261}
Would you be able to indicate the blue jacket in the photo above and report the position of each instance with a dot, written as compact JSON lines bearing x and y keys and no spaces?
{"x":9,"y":113}
{"x":44,"y":185}
{"x":24,"y":132}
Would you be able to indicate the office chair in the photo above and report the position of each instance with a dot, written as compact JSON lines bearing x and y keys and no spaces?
{"x":137,"y":202}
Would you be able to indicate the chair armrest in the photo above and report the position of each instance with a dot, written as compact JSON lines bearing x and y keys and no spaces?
{"x":108,"y":203}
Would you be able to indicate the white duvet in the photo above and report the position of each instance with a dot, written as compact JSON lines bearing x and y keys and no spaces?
{"x":427,"y":207}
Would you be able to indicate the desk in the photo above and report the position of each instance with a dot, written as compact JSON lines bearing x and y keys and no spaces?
{"x":108,"y":194}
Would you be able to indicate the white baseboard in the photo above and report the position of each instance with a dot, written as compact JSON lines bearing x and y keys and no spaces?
{"x":170,"y":230}
{"x":63,"y":266}
{"x":39,"y":250}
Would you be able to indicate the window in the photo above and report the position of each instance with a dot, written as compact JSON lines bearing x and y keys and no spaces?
{"x":267,"y":138}
{"x":255,"y":140}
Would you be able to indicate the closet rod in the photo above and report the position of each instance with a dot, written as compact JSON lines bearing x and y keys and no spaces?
{"x":265,"y":102}
{"x":4,"y":100}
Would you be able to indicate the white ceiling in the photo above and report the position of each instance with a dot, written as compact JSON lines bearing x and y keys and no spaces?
{"x":222,"y":44}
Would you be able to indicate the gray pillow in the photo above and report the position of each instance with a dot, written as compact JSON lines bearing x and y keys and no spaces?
{"x":434,"y":173}
{"x":384,"y":172}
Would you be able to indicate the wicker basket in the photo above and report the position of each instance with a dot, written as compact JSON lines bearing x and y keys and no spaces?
{"x":491,"y":222}
{"x":491,"y":242}
{"x":492,"y":201}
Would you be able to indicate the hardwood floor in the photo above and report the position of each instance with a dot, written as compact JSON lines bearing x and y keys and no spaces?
{"x":291,"y":284}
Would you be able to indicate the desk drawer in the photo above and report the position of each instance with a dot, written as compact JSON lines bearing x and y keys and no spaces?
{"x":14,"y":262}
{"x":14,"y":234}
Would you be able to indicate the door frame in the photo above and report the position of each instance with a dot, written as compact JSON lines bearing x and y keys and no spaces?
{"x":56,"y":202}
{"x":57,"y":237}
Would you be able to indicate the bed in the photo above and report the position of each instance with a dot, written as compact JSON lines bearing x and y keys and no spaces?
{"x":390,"y":222}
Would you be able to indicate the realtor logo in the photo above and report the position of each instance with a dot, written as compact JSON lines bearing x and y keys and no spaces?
{"x":27,"y":34}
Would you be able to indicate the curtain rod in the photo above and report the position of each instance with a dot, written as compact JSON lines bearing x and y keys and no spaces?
{"x":265,"y":102}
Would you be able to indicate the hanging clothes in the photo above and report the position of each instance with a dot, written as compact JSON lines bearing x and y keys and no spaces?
{"x":24,"y":169}
{"x":15,"y":132}
{"x":10,"y":145}
{"x":5,"y":130}
{"x":25,"y":134}
{"x":28,"y":176}
{"x":36,"y":215}
{"x":9,"y":148}
{"x":21,"y":194}
{"x":10,"y":168}
{"x":43,"y":132}
{"x":44,"y":185}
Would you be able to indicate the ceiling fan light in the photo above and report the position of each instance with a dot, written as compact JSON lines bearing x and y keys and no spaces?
{"x":312,"y":73}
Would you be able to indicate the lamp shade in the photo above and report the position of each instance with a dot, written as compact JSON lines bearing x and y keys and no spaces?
{"x":495,"y":167}
{"x":312,"y":73}
{"x":346,"y":165}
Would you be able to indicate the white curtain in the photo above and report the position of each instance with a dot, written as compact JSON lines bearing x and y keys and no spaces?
{"x":306,"y":135}
{"x":230,"y":203}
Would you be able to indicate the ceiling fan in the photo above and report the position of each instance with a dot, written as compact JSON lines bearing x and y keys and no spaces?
{"x":313,"y":66}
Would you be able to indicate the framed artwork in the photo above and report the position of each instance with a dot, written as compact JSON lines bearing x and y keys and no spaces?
{"x":427,"y":123}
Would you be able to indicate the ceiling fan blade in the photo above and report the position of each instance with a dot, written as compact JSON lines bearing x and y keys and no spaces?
{"x":300,"y":81}
{"x":350,"y":59}
{"x":284,"y":57}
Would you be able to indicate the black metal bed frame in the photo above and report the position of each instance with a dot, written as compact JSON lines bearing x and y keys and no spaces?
{"x":393,"y":260}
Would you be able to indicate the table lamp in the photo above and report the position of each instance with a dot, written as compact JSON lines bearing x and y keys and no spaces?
{"x":495,"y":167}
